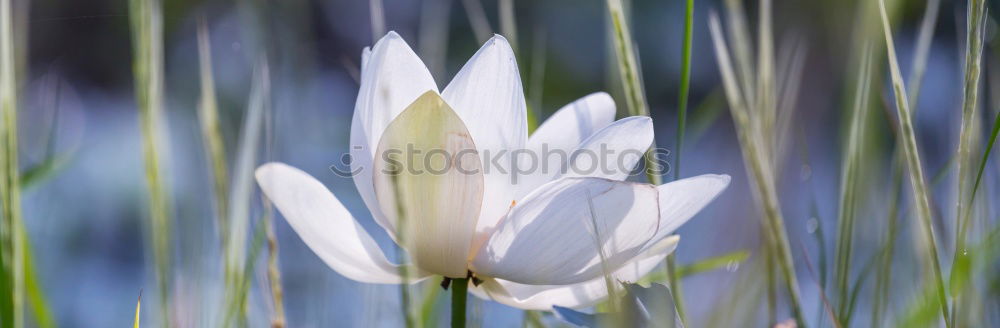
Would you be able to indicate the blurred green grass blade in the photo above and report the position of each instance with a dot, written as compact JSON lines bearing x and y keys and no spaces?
{"x":508,"y":23}
{"x":866,"y":272}
{"x":790,"y":74}
{"x":848,"y":186}
{"x":627,"y":60}
{"x":375,"y":10}
{"x":52,"y":163}
{"x":961,"y":268}
{"x":742,"y":52}
{"x":975,"y":30}
{"x":211,"y":132}
{"x":532,"y":319}
{"x":685,"y":85}
{"x":12,"y":253}
{"x":705,"y":114}
{"x":33,"y":289}
{"x":138,"y":306}
{"x":236,"y":259}
{"x":147,"y":47}
{"x":477,"y":18}
{"x":823,"y":260}
{"x":536,"y":79}
{"x":925,"y":310}
{"x":429,"y":306}
{"x":434,"y":34}
{"x":682,"y":102}
{"x":766,"y":93}
{"x":40,"y":172}
{"x":883,"y":282}
{"x":714,"y":263}
{"x":599,"y":242}
{"x":759,"y":166}
{"x":236,"y":311}
{"x":772,"y":290}
{"x":922,"y":50}
{"x":920,"y":191}
{"x":630,"y":78}
{"x":825,"y":302}
{"x":273,"y":272}
{"x":702,"y":266}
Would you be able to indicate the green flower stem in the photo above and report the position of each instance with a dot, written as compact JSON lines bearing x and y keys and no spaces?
{"x":459,"y":291}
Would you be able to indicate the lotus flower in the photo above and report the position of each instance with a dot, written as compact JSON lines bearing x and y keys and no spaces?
{"x":535,"y":239}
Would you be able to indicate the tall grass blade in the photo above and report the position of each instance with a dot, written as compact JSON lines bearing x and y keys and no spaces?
{"x":138,"y":307}
{"x":599,"y":243}
{"x":536,"y":79}
{"x":508,"y":23}
{"x":790,"y":74}
{"x":866,"y":271}
{"x":627,"y":60}
{"x":236,"y":259}
{"x":429,"y":306}
{"x":377,"y":13}
{"x":682,"y":103}
{"x":434,"y":31}
{"x":975,"y":31}
{"x":12,"y":253}
{"x":760,"y":168}
{"x":532,"y":319}
{"x":912,"y":157}
{"x":147,"y":43}
{"x":42,"y":314}
{"x":401,"y":239}
{"x":820,"y":237}
{"x":631,"y":80}
{"x":35,"y":174}
{"x":924,"y":37}
{"x":713,"y":263}
{"x":242,"y":291}
{"x":477,"y":18}
{"x":766,"y":94}
{"x":848,"y":185}
{"x":822,"y":293}
{"x":682,"y":97}
{"x":883,"y":279}
{"x":742,"y":51}
{"x":273,"y":272}
{"x":211,"y":132}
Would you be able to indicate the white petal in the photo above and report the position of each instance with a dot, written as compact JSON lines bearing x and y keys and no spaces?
{"x":556,"y":236}
{"x":487,"y":94}
{"x":366,"y":53}
{"x":680,"y":200}
{"x":581,"y":295}
{"x":429,"y":184}
{"x":392,"y":77}
{"x":612,"y":152}
{"x":326,"y":226}
{"x":560,"y":134}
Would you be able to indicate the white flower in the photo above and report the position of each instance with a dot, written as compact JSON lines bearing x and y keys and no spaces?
{"x":533,"y":242}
